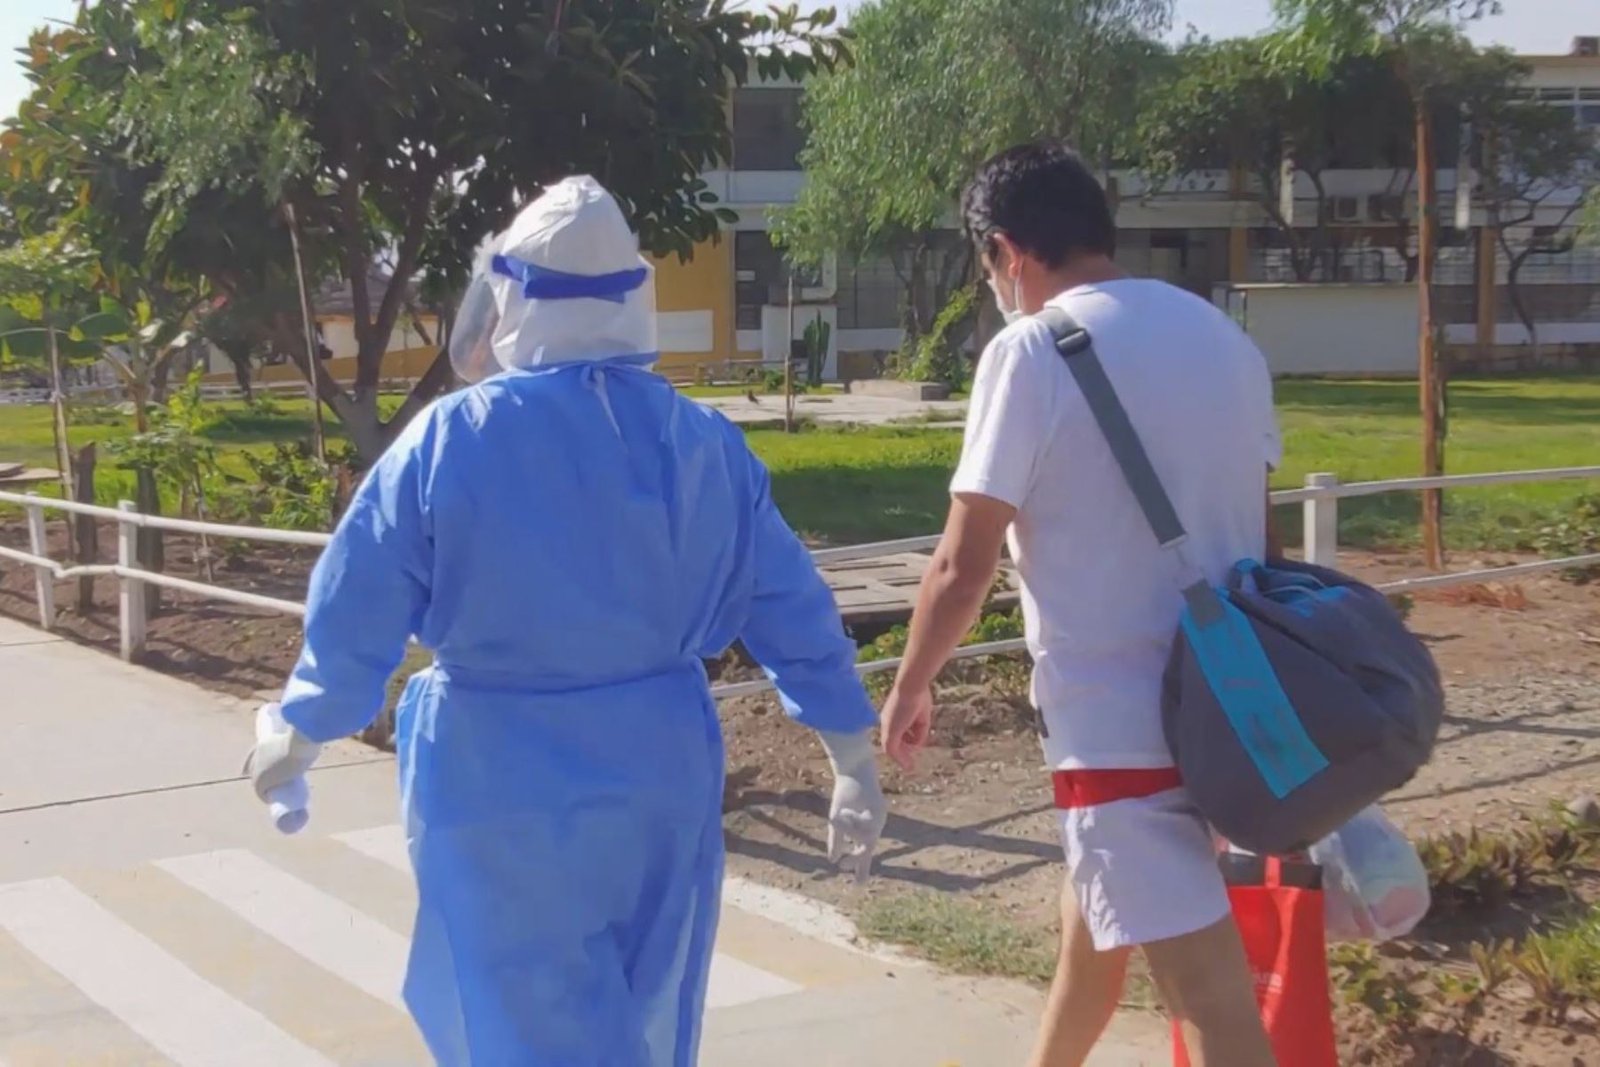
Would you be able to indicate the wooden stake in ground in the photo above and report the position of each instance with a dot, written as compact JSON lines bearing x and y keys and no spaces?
{"x":788,"y":364}
{"x":313,"y":366}
{"x":86,"y":535}
{"x":1430,"y":376}
{"x":58,"y":410}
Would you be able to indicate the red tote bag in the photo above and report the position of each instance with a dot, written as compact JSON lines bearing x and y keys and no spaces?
{"x":1279,"y":909}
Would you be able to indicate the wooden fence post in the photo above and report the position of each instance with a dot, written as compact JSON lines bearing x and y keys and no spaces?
{"x":134,"y":615}
{"x":44,"y":583}
{"x":152,"y":549}
{"x":86,"y":534}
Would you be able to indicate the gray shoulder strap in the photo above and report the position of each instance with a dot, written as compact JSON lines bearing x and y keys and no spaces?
{"x":1075,"y":345}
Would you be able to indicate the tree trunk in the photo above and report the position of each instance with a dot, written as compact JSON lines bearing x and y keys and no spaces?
{"x":158,"y":379}
{"x":1430,"y":374}
{"x":239,"y":356}
{"x":86,"y":535}
{"x":140,"y":396}
{"x":367,"y":432}
{"x":435,"y":381}
{"x":1519,"y":302}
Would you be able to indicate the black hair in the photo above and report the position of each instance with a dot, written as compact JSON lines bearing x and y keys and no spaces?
{"x":1043,"y":197}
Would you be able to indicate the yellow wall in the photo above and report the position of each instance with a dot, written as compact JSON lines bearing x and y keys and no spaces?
{"x":704,"y":283}
{"x":339,"y":334}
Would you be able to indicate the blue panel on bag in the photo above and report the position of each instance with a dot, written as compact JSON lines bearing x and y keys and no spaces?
{"x":1242,"y":679}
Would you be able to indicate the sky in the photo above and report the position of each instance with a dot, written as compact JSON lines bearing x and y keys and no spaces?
{"x":1529,"y":26}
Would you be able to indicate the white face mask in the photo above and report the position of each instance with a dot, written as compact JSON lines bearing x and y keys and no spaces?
{"x":1014,"y":312}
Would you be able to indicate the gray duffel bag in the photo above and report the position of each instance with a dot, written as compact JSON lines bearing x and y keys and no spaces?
{"x":1295,"y":696}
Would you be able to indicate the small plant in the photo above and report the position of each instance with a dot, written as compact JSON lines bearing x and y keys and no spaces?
{"x":234,"y":553}
{"x":937,"y":357}
{"x":1551,"y":979}
{"x":1361,"y":979}
{"x":1576,"y":533}
{"x":178,"y":454}
{"x":997,"y":627}
{"x":96,"y":415}
{"x":818,"y":334}
{"x":1476,"y":870}
{"x":1493,"y":965}
{"x":1403,"y":605}
{"x":263,"y":405}
{"x":293,"y":490}
{"x":1563,"y":968}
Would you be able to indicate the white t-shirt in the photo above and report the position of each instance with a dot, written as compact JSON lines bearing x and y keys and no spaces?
{"x":1100,"y":596}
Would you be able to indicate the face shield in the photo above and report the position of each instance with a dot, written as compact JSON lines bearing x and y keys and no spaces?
{"x":563,"y":284}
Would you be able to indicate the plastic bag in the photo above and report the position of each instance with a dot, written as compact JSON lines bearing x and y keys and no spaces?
{"x":1374,"y":885}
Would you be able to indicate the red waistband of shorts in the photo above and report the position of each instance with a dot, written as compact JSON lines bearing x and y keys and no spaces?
{"x":1087,"y":788}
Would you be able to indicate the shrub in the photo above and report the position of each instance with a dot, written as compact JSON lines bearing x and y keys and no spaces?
{"x":293,"y":491}
{"x":1577,"y":533}
{"x":937,"y":356}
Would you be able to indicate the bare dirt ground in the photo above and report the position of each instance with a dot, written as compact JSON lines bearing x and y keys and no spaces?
{"x":1523,"y":729}
{"x":1523,"y":733}
{"x":1521,"y":663}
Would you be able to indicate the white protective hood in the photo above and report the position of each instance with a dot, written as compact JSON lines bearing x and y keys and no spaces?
{"x":564,"y":283}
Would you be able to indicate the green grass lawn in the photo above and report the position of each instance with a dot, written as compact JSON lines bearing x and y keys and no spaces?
{"x":843,"y":485}
{"x":1369,"y":431}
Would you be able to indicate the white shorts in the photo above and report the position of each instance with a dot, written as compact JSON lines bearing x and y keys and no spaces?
{"x":1143,"y":870}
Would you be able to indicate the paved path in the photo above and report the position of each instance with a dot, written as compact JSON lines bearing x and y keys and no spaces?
{"x":844,"y":408}
{"x":884,"y":589}
{"x":149,"y":915}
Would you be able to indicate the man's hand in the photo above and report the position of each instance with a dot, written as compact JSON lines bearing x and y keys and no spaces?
{"x":907,"y":721}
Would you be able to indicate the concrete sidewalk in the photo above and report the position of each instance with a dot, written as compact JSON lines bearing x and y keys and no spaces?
{"x":150,"y":915}
{"x":853,"y":409}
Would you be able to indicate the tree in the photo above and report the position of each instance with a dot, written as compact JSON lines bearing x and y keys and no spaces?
{"x":936,"y":87}
{"x":1424,"y":41}
{"x":1534,"y":165}
{"x":1246,"y":107}
{"x":46,"y":318}
{"x":425,"y":128}
{"x":68,"y":171}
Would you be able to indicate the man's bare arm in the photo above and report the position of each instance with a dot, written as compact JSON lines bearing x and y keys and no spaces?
{"x":955,"y":587}
{"x":1274,"y":538}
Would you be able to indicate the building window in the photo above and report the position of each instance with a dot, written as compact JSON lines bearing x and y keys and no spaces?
{"x":767,"y":134}
{"x":1583,"y":103}
{"x":870,"y":294}
{"x":761,"y":278}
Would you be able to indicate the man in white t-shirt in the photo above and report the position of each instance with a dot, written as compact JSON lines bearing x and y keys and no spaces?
{"x":1100,"y":597}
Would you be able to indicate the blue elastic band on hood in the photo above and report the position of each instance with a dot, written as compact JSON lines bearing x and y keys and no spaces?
{"x":542,"y":283}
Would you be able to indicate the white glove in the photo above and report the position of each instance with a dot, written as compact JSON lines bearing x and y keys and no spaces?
{"x":277,"y":768}
{"x":859,"y":810}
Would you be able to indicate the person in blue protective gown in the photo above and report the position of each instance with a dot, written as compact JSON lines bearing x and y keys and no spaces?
{"x":571,"y":539}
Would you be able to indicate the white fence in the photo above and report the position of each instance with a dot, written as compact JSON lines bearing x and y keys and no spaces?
{"x":1320,"y":499}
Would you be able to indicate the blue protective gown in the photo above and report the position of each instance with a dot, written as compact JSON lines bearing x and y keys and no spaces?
{"x":570,"y":542}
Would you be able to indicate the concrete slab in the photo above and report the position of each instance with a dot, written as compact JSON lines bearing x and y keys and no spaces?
{"x":852,"y":409}
{"x":908,"y":1019}
{"x":915,"y":391}
{"x":81,"y":726}
{"x":13,"y":632}
{"x":124,"y":820}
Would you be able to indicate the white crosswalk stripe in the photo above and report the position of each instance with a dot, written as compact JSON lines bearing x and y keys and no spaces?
{"x":155,"y":995}
{"x":320,"y":927}
{"x":732,"y":981}
{"x":145,"y":961}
